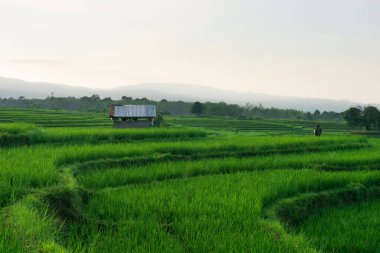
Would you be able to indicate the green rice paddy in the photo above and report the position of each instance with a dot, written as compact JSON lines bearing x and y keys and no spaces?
{"x":200,"y":185}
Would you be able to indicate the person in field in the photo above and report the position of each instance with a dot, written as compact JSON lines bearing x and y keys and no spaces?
{"x":318,"y":131}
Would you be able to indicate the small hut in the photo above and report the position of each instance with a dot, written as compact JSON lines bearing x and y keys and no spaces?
{"x":133,"y":116}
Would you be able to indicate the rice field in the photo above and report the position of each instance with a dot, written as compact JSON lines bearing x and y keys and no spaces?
{"x":260,"y":126}
{"x":62,"y":119}
{"x":54,"y":118}
{"x":186,"y":188}
{"x":332,"y":229}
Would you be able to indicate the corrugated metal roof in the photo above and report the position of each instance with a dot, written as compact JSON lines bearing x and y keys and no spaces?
{"x":134,"y":111}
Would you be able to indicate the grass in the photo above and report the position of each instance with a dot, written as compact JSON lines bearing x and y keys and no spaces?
{"x":17,"y":133}
{"x":14,"y":134}
{"x":351,"y":229}
{"x":98,"y":135}
{"x":260,"y":126}
{"x":27,"y":227}
{"x":95,"y":178}
{"x":54,"y":118}
{"x":295,"y":211}
{"x":218,"y":212}
{"x":185,"y":189}
{"x":61,"y":118}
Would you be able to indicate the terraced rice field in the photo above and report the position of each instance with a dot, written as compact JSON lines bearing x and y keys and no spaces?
{"x":260,"y":126}
{"x":54,"y":118}
{"x":185,"y":190}
{"x":59,"y":119}
{"x":68,"y":184}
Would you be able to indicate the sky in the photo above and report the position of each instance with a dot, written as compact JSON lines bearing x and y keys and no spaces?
{"x":304,"y":48}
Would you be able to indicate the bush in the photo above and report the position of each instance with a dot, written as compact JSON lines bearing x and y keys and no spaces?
{"x":159,"y":120}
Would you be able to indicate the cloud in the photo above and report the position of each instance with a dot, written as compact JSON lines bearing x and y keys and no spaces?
{"x":97,"y":7}
{"x":41,"y":62}
{"x":135,"y":8}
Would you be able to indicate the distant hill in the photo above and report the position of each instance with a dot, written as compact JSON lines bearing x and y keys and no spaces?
{"x":156,"y":91}
{"x":10,"y":87}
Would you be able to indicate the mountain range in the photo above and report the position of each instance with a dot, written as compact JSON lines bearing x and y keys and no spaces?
{"x":10,"y":87}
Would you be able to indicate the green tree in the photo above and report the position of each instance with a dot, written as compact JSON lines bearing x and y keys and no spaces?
{"x":197,"y":108}
{"x":85,"y":99}
{"x":370,"y":117}
{"x":126,"y":98}
{"x":107,"y":100}
{"x":159,"y":120}
{"x":353,"y":116}
{"x":317,"y":113}
{"x":95,"y":98}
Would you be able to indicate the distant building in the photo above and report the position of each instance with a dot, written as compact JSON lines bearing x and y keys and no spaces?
{"x":133,"y":116}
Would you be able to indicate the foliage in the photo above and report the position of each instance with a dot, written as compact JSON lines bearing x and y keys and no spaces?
{"x":197,"y":108}
{"x":369,"y":117}
{"x":159,"y":120}
{"x":353,"y":117}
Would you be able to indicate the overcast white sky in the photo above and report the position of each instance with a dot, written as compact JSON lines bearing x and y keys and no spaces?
{"x":307,"y":48}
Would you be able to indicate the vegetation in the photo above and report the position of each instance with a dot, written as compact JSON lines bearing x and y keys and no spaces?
{"x":59,"y":119}
{"x":159,"y":120}
{"x":197,"y":108}
{"x":369,"y":117}
{"x":202,"y":184}
{"x":96,"y":104}
{"x":350,"y":229}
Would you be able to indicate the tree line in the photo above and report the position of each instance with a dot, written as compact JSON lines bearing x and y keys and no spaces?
{"x":95,"y":103}
{"x":259,"y":111}
{"x":367,"y":118}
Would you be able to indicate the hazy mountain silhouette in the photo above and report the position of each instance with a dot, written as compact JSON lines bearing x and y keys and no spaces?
{"x":186,"y":92}
{"x":10,"y":87}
